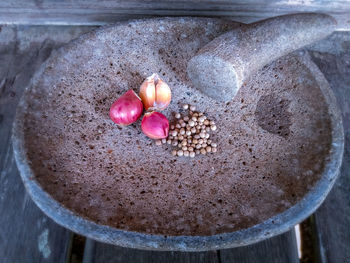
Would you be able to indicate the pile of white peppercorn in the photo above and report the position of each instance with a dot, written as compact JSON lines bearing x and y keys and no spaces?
{"x":191,"y":134}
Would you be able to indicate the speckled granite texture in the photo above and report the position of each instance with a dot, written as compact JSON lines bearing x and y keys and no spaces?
{"x":274,"y":138}
{"x":220,"y":67}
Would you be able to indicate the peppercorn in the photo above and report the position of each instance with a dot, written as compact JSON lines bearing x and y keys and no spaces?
{"x":191,"y":133}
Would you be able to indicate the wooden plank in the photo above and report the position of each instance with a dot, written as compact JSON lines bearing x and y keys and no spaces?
{"x":26,"y":234}
{"x":96,"y":252}
{"x":333,"y":217}
{"x":309,"y":243}
{"x":91,"y":12}
{"x":282,"y":248}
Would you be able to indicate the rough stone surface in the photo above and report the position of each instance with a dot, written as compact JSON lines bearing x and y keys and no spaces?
{"x":119,"y":178}
{"x":220,"y":68}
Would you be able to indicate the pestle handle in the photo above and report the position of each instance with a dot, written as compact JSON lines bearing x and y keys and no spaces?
{"x":221,"y":66}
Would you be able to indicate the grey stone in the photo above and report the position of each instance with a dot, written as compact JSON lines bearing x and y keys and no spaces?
{"x":220,"y":67}
{"x":264,"y":179}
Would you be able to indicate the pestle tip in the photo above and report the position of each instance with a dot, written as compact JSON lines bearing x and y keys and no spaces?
{"x":214,"y":77}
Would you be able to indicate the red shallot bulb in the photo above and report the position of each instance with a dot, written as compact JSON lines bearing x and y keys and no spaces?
{"x":155,"y":125}
{"x":127,"y":109}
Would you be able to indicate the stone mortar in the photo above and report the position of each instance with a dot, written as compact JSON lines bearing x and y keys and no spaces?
{"x":280,"y":143}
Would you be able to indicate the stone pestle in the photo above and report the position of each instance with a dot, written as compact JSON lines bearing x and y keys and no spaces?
{"x":220,"y":67}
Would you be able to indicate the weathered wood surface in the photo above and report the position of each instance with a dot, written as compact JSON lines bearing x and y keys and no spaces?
{"x":96,"y":252}
{"x":282,"y":248}
{"x":332,"y":219}
{"x":91,"y":12}
{"x":26,"y":234}
{"x":278,"y":249}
